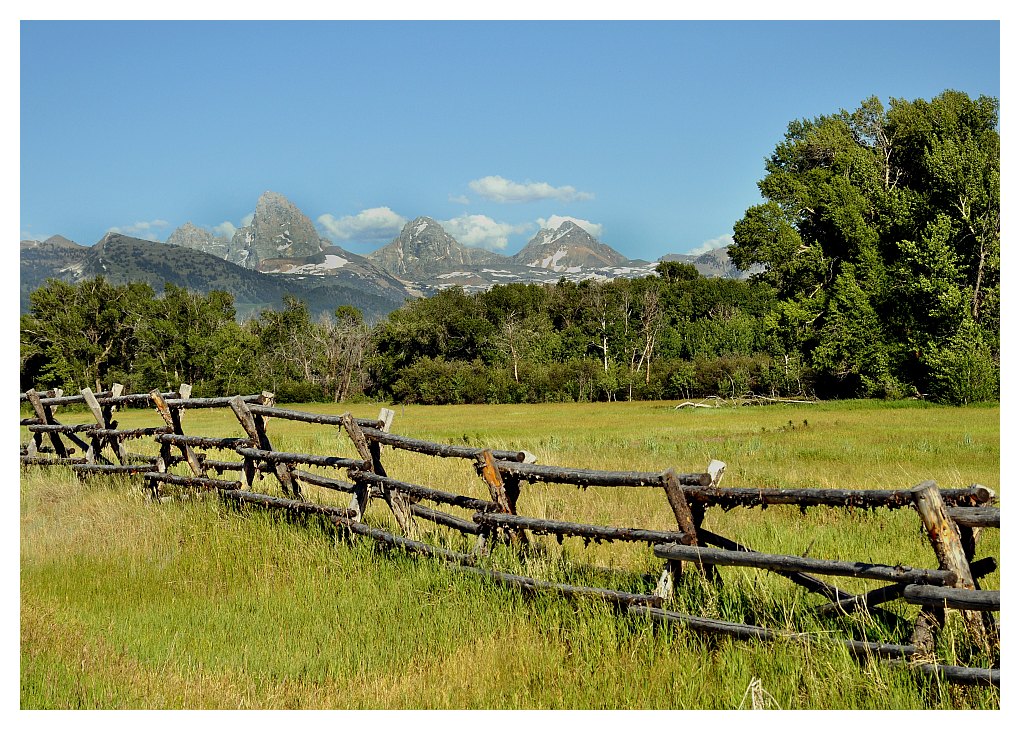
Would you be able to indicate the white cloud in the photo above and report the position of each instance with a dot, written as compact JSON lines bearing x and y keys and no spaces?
{"x":147,"y":230}
{"x":372,"y":224}
{"x":710,"y":244}
{"x":555,"y":221}
{"x":501,"y":190}
{"x":462,"y":199}
{"x":246,"y":221}
{"x":226,"y":230}
{"x":481,"y":231}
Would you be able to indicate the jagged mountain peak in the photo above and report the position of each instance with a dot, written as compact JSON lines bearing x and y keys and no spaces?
{"x":567,"y":248}
{"x":424,"y":248}
{"x":278,"y":230}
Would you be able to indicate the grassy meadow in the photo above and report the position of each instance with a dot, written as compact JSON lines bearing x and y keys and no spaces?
{"x":190,"y":603}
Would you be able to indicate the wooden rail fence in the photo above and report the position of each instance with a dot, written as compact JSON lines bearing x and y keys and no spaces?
{"x":952,"y":518}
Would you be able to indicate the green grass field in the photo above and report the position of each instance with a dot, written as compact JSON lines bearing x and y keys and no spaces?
{"x":188,"y":603}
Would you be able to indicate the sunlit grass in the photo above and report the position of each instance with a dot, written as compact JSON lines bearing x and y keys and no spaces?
{"x":190,"y":603}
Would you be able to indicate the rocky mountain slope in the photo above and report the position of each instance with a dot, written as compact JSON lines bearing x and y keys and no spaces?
{"x":712,"y":263}
{"x":41,"y":260}
{"x":424,"y":249}
{"x":568,"y":248}
{"x":281,"y":251}
{"x":121,"y":259}
{"x":278,"y":231}
{"x":191,"y":236}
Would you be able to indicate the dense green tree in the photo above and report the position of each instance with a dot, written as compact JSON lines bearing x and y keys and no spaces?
{"x":877,"y":225}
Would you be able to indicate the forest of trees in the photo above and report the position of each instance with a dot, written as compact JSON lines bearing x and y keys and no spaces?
{"x":877,"y":242}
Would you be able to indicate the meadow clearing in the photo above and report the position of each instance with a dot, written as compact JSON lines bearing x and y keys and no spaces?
{"x":190,"y":603}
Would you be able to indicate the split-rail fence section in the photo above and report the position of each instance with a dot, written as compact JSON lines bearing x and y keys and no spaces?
{"x":952,"y":518}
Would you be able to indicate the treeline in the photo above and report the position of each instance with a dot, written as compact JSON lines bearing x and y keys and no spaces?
{"x":95,"y":333}
{"x":878,"y":252}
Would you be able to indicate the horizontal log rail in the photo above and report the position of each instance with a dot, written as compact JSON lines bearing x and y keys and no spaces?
{"x":219,"y":465}
{"x":184,"y":481}
{"x":975,"y":516}
{"x":105,"y":398}
{"x":431,"y":448}
{"x":421,"y":492}
{"x":112,"y":468}
{"x":320,"y":481}
{"x":729,"y":497}
{"x":62,"y":428}
{"x":288,"y":505}
{"x":790,"y":563}
{"x":46,"y":461}
{"x":959,"y":598}
{"x":320,"y":418}
{"x":29,"y":421}
{"x":810,"y":582}
{"x":748,"y":632}
{"x":390,"y":540}
{"x":976,"y":676}
{"x":45,"y":394}
{"x":204,"y":442}
{"x":286,"y":457}
{"x":208,"y":402}
{"x":978,"y":569}
{"x":593,"y":477}
{"x":446,"y":519}
{"x":130,"y":433}
{"x":620,"y":598}
{"x":575,"y":529}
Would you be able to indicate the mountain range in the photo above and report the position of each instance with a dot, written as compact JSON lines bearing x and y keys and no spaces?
{"x":280,"y":252}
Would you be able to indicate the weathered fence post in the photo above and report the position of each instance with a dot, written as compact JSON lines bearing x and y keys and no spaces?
{"x":255,"y":426}
{"x":102,"y":417}
{"x":172,"y":418}
{"x":485,"y":465}
{"x":688,"y":523}
{"x":945,"y":540}
{"x":969,"y":537}
{"x":45,"y":416}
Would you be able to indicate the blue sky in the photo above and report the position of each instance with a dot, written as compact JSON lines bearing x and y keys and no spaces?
{"x":653,"y":134}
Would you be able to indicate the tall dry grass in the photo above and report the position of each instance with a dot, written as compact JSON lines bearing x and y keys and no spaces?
{"x":130,"y":603}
